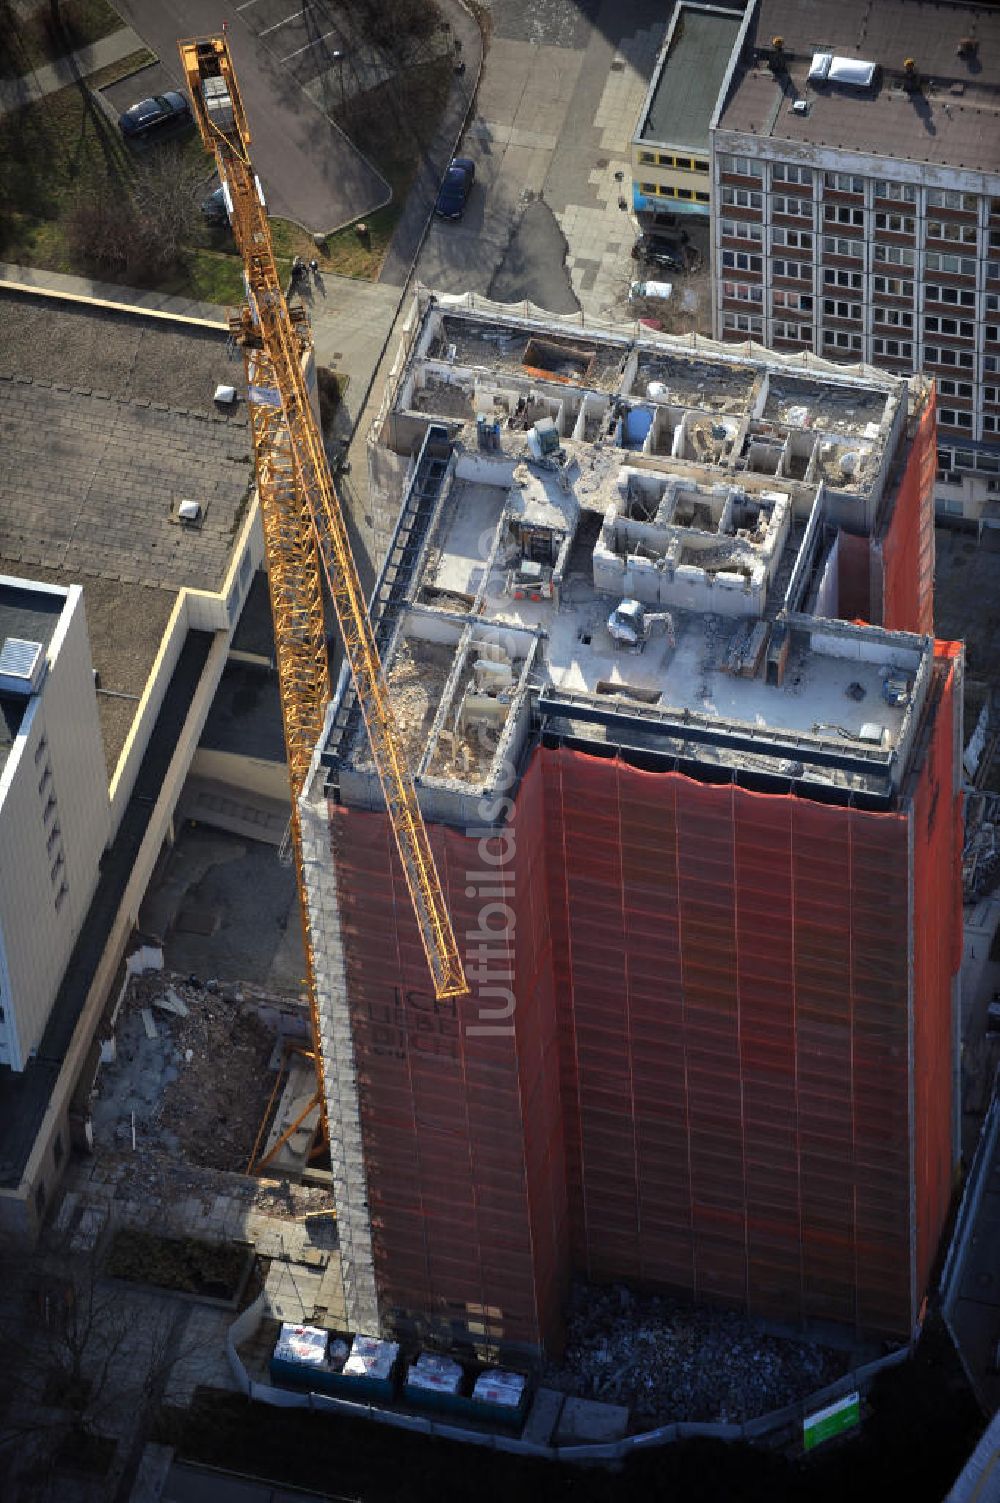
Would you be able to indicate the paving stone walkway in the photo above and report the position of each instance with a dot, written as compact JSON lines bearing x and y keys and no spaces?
{"x":15,"y":93}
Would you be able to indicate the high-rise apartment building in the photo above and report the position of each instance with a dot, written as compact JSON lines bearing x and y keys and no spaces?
{"x":698,"y":827}
{"x":856,"y":206}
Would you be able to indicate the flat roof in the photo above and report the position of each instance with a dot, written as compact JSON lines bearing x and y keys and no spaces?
{"x":952,"y":121}
{"x":705,"y":490}
{"x":689,"y":75}
{"x":32,"y":616}
{"x":108,"y":421}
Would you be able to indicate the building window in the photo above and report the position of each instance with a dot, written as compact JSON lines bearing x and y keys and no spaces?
{"x":743,"y":292}
{"x":962,"y":266}
{"x":953,"y":417}
{"x":793,"y":239}
{"x":785,"y":330}
{"x":852,"y":250}
{"x":648,"y":187}
{"x":701,"y":197}
{"x":647,"y":158}
{"x":684,"y":163}
{"x":741,"y":198}
{"x":790,"y":172}
{"x":896,"y":224}
{"x":844,"y":182}
{"x":741,"y":261}
{"x":742,"y":166}
{"x":801,"y":208}
{"x":838,"y":339}
{"x":800,"y":300}
{"x":835,"y":309}
{"x":684,"y":192}
{"x":746,"y":323}
{"x":841,"y":214}
{"x":896,"y":318}
{"x":699,"y":165}
{"x":963,"y":297}
{"x":992,"y":302}
{"x":833,"y":277}
{"x":992,"y":394}
{"x":41,"y":748}
{"x":947,"y":198}
{"x":904,"y":193}
{"x":949,"y":388}
{"x":665,"y":192}
{"x":893,"y":349}
{"x":893,"y":286}
{"x":991,"y":364}
{"x":895,"y":255}
{"x":991,"y":424}
{"x":993,"y":333}
{"x":800,"y":271}
{"x":951,"y":229}
{"x":942,"y":354}
{"x":743,"y":229}
{"x":663,"y":159}
{"x":992,"y":270}
{"x":961,"y":327}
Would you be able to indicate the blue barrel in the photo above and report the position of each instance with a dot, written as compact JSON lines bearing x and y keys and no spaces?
{"x":638,"y":422}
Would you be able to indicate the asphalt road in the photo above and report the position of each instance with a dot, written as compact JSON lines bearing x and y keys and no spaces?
{"x":310,"y":171}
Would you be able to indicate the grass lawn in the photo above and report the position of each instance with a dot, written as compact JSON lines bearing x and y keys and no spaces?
{"x":31,"y":36}
{"x":64,"y":146}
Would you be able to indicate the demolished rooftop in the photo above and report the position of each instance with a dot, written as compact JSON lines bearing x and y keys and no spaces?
{"x":634,"y":542}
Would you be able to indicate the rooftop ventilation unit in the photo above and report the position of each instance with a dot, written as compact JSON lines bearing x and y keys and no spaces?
{"x":849,"y":72}
{"x":800,"y":106}
{"x":22,"y":666}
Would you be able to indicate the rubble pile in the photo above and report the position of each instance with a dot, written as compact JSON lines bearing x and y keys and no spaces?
{"x":669,"y":1361}
{"x":192,"y":1063}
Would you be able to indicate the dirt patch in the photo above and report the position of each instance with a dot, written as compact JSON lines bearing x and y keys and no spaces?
{"x":196,"y":1086}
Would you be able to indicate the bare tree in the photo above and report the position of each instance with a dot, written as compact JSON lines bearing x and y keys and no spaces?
{"x":142,"y":230}
{"x":80,"y":1370}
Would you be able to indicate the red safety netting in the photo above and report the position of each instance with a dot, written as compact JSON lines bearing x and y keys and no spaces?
{"x":908,"y":545}
{"x":460,"y":1105}
{"x":706,"y":1084}
{"x":937,"y":928}
{"x":732,"y":974}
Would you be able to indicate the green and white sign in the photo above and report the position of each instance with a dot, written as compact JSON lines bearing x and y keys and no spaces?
{"x":831,"y":1421}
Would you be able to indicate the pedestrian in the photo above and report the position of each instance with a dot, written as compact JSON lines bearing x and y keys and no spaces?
{"x":314,"y":267}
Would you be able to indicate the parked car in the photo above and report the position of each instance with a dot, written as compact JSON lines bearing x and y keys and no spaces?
{"x":214,"y":207}
{"x":158,"y":116}
{"x":662,"y":251}
{"x":639,"y":290}
{"x":454,"y":192}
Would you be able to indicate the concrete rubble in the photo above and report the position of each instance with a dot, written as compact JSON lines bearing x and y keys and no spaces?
{"x":670,"y":1361}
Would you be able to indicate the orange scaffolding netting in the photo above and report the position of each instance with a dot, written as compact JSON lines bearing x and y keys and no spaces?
{"x":705,"y":1080}
{"x":908,"y":546}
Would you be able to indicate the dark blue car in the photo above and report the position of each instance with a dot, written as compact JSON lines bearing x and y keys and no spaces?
{"x":454,"y":191}
{"x":158,"y":116}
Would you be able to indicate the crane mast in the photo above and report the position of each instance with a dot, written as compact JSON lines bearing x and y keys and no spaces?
{"x":304,"y":527}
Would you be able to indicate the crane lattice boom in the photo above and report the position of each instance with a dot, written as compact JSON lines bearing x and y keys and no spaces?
{"x":304,"y":526}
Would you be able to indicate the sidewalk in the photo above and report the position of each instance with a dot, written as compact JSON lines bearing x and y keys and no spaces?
{"x":15,"y":93}
{"x":412,"y":226}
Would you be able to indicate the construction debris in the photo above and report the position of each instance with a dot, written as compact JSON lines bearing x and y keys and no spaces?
{"x":670,"y":1361}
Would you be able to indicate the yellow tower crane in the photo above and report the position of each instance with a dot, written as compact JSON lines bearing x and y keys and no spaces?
{"x":304,"y":526}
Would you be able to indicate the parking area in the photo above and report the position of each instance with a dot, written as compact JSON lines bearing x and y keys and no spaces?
{"x":310,"y":171}
{"x":306,"y":38}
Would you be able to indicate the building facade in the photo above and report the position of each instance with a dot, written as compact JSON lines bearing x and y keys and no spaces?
{"x":704,"y":878}
{"x":856,"y":213}
{"x":54,"y":808}
{"x":671,"y":165}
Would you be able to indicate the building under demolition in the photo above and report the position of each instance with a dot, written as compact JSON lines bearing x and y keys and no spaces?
{"x":657,"y":622}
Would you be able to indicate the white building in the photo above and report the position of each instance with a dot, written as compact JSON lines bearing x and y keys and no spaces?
{"x":54,"y":806}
